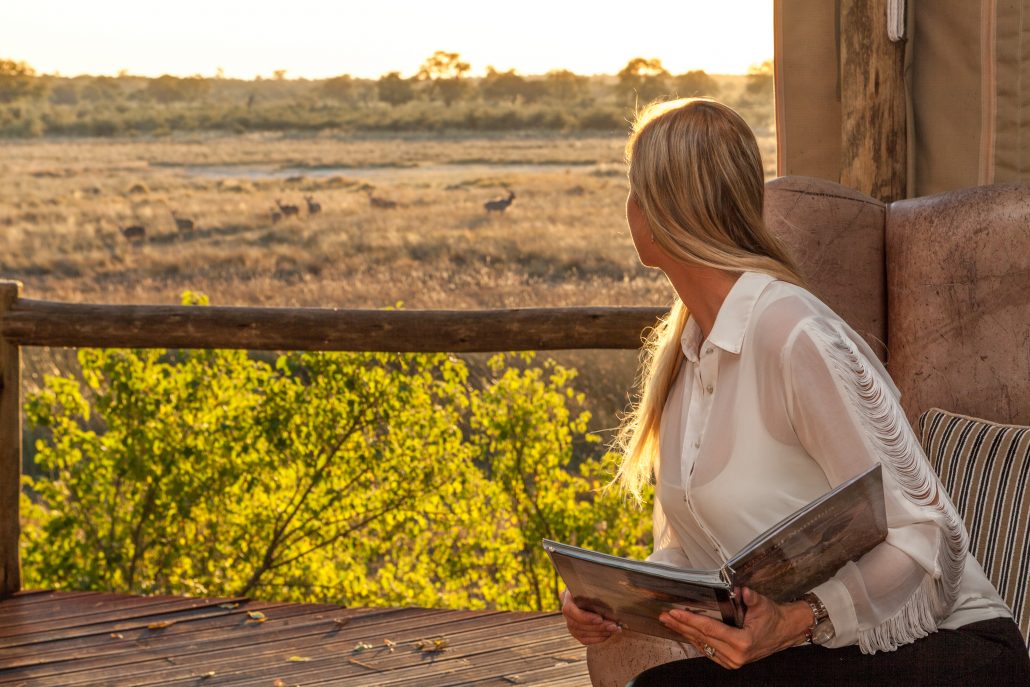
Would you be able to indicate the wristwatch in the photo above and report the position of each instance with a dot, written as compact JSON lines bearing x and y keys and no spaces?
{"x":821,"y":630}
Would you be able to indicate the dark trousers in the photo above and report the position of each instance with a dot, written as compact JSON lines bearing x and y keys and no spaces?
{"x":990,"y":652}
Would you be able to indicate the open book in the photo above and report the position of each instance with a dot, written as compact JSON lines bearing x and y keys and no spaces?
{"x":796,"y":554}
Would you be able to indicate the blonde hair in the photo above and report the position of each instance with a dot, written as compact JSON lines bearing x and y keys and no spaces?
{"x":696,"y":172}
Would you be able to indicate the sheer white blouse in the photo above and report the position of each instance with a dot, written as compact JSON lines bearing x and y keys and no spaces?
{"x":781,"y":403}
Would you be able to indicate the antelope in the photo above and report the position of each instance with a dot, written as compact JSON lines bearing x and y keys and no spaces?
{"x":287,"y":210}
{"x":135,"y":233}
{"x":183,"y":223}
{"x":501,"y":204}
{"x":313,"y":207}
{"x":381,"y":203}
{"x":275,"y":215}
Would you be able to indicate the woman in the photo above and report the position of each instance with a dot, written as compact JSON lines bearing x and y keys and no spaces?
{"x":757,"y":399}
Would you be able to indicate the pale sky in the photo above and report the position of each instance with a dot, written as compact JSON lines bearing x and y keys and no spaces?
{"x":321,"y":38}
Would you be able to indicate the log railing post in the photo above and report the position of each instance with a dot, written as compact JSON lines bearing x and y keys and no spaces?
{"x":10,"y":450}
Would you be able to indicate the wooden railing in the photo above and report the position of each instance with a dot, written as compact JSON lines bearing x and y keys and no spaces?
{"x":25,"y":322}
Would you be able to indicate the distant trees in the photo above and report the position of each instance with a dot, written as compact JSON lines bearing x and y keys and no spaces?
{"x":65,"y":93}
{"x":174,"y":89}
{"x":502,"y":85}
{"x":442,"y":95}
{"x":339,"y":88}
{"x":508,"y":86}
{"x":100,"y":89}
{"x":394,"y":89}
{"x":642,"y":80}
{"x":444,"y":72}
{"x":18,"y":80}
{"x":760,"y":80}
{"x":565,"y":86}
{"x":695,"y":83}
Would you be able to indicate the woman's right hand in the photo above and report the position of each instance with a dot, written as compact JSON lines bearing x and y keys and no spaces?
{"x":585,"y":626}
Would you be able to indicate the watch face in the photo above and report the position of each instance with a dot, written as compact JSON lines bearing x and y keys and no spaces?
{"x":823,"y":632}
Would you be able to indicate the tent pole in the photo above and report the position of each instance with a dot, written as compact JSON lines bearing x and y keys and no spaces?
{"x":873,"y":136}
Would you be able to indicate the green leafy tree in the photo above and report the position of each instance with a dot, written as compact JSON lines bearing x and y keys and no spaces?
{"x":524,"y":426}
{"x":695,"y":83}
{"x":643,"y":80}
{"x":394,"y":89}
{"x":444,"y":72}
{"x":364,"y":478}
{"x":218,"y":472}
{"x":18,"y":80}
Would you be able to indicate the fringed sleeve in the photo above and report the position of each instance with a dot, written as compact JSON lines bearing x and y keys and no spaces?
{"x":844,"y":409}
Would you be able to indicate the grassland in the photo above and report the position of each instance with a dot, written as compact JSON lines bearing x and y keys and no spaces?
{"x":563,"y":241}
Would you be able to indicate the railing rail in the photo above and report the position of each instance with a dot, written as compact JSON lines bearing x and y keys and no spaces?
{"x":26,"y":322}
{"x":44,"y":323}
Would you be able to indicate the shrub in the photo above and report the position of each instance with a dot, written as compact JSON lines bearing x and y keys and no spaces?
{"x":362,"y":478}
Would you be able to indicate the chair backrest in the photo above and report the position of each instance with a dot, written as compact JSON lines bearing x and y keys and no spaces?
{"x":944,"y":281}
{"x":958,"y":302}
{"x":836,"y":235}
{"x":986,"y":469}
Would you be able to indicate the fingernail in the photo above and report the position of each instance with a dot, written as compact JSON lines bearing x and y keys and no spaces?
{"x":611,"y":627}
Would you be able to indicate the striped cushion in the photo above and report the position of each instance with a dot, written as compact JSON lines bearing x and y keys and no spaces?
{"x":986,"y":469}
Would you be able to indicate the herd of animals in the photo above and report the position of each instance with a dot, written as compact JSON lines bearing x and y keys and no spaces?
{"x":137,"y":233}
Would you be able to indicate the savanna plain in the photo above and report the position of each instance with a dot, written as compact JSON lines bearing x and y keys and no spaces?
{"x":328,"y":220}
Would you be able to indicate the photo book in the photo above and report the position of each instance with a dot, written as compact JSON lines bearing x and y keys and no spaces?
{"x":796,"y":554}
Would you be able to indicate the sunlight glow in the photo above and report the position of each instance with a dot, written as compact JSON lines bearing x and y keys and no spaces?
{"x":322,"y":38}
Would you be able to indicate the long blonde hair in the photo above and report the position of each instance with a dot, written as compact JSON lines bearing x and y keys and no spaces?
{"x":696,"y":172}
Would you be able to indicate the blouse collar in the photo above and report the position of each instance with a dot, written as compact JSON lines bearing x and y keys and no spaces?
{"x":733,"y":319}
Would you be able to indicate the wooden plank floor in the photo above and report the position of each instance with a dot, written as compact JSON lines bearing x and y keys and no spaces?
{"x":75,"y":639}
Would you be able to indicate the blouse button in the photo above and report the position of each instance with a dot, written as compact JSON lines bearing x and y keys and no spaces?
{"x":709,"y":388}
{"x":708,"y":351}
{"x":697,"y":443}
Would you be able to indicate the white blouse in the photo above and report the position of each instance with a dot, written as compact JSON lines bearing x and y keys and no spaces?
{"x":781,"y":403}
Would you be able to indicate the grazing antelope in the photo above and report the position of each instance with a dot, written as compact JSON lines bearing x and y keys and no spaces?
{"x":313,"y":207}
{"x":288,"y":210}
{"x":183,"y":223}
{"x":381,"y":203}
{"x":136,"y":233}
{"x":501,"y":204}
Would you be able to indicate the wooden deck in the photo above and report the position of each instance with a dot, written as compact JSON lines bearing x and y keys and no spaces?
{"x":73,"y":639}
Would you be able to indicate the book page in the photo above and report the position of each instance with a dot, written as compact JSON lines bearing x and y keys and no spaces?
{"x":634,"y":598}
{"x":811,"y":545}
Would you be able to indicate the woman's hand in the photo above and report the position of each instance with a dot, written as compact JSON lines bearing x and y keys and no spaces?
{"x":584,"y":626}
{"x":768,"y":627}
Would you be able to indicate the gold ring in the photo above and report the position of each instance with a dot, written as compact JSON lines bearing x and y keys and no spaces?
{"x":709,"y":650}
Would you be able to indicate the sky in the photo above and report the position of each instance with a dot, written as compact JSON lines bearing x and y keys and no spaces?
{"x":322,"y":38}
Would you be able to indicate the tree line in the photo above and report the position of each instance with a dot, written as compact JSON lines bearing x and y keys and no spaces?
{"x":439,"y":95}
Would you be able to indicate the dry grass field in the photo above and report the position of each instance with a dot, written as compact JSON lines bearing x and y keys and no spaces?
{"x":64,"y":204}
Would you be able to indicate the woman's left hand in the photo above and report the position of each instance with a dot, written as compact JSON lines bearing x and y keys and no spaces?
{"x":768,"y":627}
